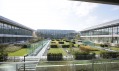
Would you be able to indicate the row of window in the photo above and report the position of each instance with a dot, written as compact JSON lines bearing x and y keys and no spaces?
{"x":9,"y":29}
{"x":13,"y":39}
{"x":102,"y":39}
{"x":55,"y":31}
{"x":104,"y":31}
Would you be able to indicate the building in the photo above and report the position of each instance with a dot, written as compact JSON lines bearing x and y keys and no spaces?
{"x":115,"y":2}
{"x":56,"y":34}
{"x":103,"y":33}
{"x":11,"y":32}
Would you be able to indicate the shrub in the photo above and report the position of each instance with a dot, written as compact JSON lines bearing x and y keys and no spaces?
{"x":109,"y":55}
{"x":105,"y":45}
{"x":67,"y":41}
{"x":3,"y":53}
{"x":117,"y":45}
{"x":54,"y":46}
{"x":53,"y":42}
{"x":58,"y":39}
{"x":3,"y":57}
{"x":73,"y":42}
{"x":87,"y":48}
{"x":84,"y":56}
{"x":61,"y":42}
{"x":65,"y":46}
{"x":53,"y":39}
{"x":54,"y":56}
{"x":24,"y":46}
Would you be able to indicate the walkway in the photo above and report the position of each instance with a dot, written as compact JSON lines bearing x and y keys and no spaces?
{"x":43,"y":43}
{"x":35,"y":58}
{"x":40,"y":54}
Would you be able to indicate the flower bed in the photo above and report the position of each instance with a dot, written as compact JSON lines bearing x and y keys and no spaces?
{"x":87,"y":48}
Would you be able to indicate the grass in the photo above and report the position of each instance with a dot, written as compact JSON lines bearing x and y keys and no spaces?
{"x":53,"y":63}
{"x":76,"y":45}
{"x":98,"y":52}
{"x":57,"y":50}
{"x":114,"y":48}
{"x":20,"y":52}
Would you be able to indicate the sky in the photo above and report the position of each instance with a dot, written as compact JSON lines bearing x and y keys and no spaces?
{"x":58,"y":14}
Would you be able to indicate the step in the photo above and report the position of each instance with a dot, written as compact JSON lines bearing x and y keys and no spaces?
{"x":27,"y":70}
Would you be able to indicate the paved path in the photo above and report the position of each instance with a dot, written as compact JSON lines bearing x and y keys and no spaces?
{"x":40,"y":54}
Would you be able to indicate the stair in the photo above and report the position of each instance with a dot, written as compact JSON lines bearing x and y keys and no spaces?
{"x":29,"y":66}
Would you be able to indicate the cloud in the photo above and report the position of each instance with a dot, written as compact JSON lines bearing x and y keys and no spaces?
{"x":83,"y":9}
{"x":51,"y":14}
{"x":115,"y":8}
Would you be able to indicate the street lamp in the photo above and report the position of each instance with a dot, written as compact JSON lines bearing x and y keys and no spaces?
{"x":24,"y":61}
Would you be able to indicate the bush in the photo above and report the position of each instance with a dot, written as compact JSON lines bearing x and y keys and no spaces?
{"x":84,"y":56}
{"x":58,"y":39}
{"x":67,"y":41}
{"x":65,"y":46}
{"x":105,"y":45}
{"x":3,"y":57}
{"x":54,"y":46}
{"x":73,"y":42}
{"x":117,"y":45}
{"x":109,"y":55}
{"x":61,"y":42}
{"x":53,"y":42}
{"x":54,"y":56}
{"x":87,"y":48}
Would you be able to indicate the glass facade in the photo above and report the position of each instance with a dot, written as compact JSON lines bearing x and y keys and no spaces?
{"x":57,"y":34}
{"x":13,"y":33}
{"x":103,"y":34}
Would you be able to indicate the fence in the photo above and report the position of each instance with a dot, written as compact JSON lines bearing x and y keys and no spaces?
{"x":79,"y":65}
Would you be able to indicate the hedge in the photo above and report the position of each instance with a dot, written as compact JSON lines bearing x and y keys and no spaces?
{"x":87,"y":48}
{"x":54,"y":46}
{"x":61,"y":42}
{"x":54,"y":57}
{"x":109,"y":55}
{"x":3,"y":57}
{"x":84,"y":56}
{"x":73,"y":42}
{"x":65,"y":46}
{"x":67,"y":41}
{"x":105,"y":45}
{"x":53,"y":42}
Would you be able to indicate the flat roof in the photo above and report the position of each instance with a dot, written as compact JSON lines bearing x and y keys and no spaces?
{"x":114,"y":2}
{"x":104,"y":25}
{"x":11,"y":22}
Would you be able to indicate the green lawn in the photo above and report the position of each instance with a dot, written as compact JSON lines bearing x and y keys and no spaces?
{"x":114,"y":48}
{"x":76,"y":45}
{"x":57,"y":50}
{"x":20,"y":52}
{"x":98,"y":52}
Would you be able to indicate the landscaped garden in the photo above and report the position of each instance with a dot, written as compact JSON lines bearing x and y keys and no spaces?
{"x":62,"y":48}
{"x":57,"y":50}
{"x":22,"y":49}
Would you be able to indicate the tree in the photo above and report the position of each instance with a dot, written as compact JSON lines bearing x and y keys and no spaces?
{"x":77,"y":36}
{"x":3,"y":53}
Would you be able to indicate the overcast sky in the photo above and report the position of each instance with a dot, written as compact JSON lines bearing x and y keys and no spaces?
{"x":58,"y":14}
